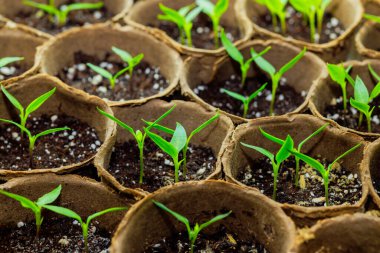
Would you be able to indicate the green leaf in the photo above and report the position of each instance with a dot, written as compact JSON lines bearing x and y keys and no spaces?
{"x":7,"y":60}
{"x":49,"y":197}
{"x":44,"y":7}
{"x":204,"y":125}
{"x":184,"y":10}
{"x":193,"y":14}
{"x":361,"y":92}
{"x":220,"y":8}
{"x":213,"y":220}
{"x":364,"y":108}
{"x":164,"y":145}
{"x":232,"y":51}
{"x":207,"y":7}
{"x":179,"y":137}
{"x":284,"y":151}
{"x":35,"y":104}
{"x":25,"y":202}
{"x":162,"y":116}
{"x":311,"y":136}
{"x":160,"y":127}
{"x":50,"y":131}
{"x":234,"y":95}
{"x":271,"y":137}
{"x":172,"y":15}
{"x":119,"y":122}
{"x":312,"y":162}
{"x":261,"y":62}
{"x":100,"y":71}
{"x":344,"y":154}
{"x":109,"y":210}
{"x":19,"y":126}
{"x":292,"y":62}
{"x":12,"y":99}
{"x":373,"y":73}
{"x":372,"y":18}
{"x":260,"y":150}
{"x":176,"y":215}
{"x":65,"y":212}
{"x":139,"y":136}
{"x":256,"y":93}
{"x":375,"y":92}
{"x":337,"y":74}
{"x":137,"y":59}
{"x":83,"y":6}
{"x":124,"y":55}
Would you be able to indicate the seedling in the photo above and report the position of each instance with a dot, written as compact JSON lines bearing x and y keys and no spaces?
{"x":8,"y":60}
{"x":244,"y":99}
{"x":298,"y":149}
{"x":277,"y":9}
{"x":325,"y":172}
{"x":275,"y":76}
{"x":235,"y":54}
{"x":215,"y":13}
{"x":128,"y":58}
{"x":35,"y":206}
{"x":373,"y":73}
{"x":276,"y":160}
{"x":61,"y":13}
{"x":372,"y":17}
{"x":85,"y":225}
{"x":339,"y":75}
{"x":138,"y":135}
{"x":106,"y":74}
{"x":192,"y":232}
{"x":183,"y":18}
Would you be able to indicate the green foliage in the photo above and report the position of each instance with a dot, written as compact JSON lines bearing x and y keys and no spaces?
{"x":372,"y":17}
{"x":192,"y":232}
{"x":271,"y":71}
{"x":128,"y":58}
{"x":277,"y":9}
{"x":8,"y":60}
{"x":244,"y":99}
{"x":106,"y":74}
{"x":35,"y":206}
{"x":339,"y":75}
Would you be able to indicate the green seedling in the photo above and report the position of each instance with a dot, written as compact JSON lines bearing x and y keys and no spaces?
{"x":215,"y":13}
{"x":138,"y":135}
{"x":183,"y":18}
{"x":372,"y":17}
{"x":85,"y":225}
{"x":339,"y":75}
{"x":276,"y":160}
{"x":106,"y":74}
{"x":246,"y":100}
{"x":128,"y":58}
{"x":35,"y":206}
{"x":271,"y":70}
{"x":8,"y":60}
{"x":192,"y":232}
{"x":235,"y":54}
{"x":61,"y":14}
{"x":325,"y":173}
{"x":298,"y":149}
{"x":373,"y":73}
{"x":277,"y":9}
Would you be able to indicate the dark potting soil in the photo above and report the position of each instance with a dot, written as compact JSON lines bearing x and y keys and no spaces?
{"x":222,"y":241}
{"x":45,"y":23}
{"x":344,"y":186}
{"x":202,"y":33}
{"x":11,"y":70}
{"x":158,"y":166}
{"x":56,"y":235}
{"x":287,"y":99}
{"x":146,"y":80}
{"x":51,"y":151}
{"x":298,"y":29}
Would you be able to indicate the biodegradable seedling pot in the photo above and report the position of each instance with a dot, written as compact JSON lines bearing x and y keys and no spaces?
{"x":323,"y":101}
{"x":118,"y":163}
{"x":17,"y":224}
{"x":204,"y":77}
{"x":253,"y":217}
{"x":143,"y":15}
{"x":356,"y":233}
{"x":66,"y":55}
{"x":113,"y":11}
{"x":366,"y":40}
{"x":348,"y":12}
{"x":305,"y":205}
{"x":62,"y":152}
{"x":371,"y":6}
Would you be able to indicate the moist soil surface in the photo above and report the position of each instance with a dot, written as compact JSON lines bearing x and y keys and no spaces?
{"x":287,"y":98}
{"x":146,"y":79}
{"x":51,"y":151}
{"x":344,"y":187}
{"x":56,"y":235}
{"x":202,"y":33}
{"x":43,"y":22}
{"x":11,"y":70}
{"x":298,"y":29}
{"x":222,"y":241}
{"x":158,"y":166}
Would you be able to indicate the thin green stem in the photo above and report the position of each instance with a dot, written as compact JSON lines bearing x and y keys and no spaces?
{"x":312,"y":27}
{"x":112,"y":83}
{"x":360,"y":119}
{"x":344,"y":99}
{"x":274,"y":90}
{"x":274,"y":20}
{"x":141,"y":149}
{"x":283,"y":23}
{"x":320,"y":21}
{"x":326,"y":183}
{"x":184,"y":155}
{"x":188,"y":36}
{"x":176,"y":170}
{"x":38,"y":222}
{"x":275,"y":176}
{"x":215,"y":27}
{"x":243,"y":77}
{"x":181,"y":37}
{"x":369,"y":127}
{"x":85,"y":236}
{"x":246,"y":107}
{"x":296,"y":183}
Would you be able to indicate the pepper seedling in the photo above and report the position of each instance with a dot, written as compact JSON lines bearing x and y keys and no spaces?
{"x":339,"y":75}
{"x":138,"y":135}
{"x":325,"y":173}
{"x":276,"y":9}
{"x":35,"y":206}
{"x":246,"y":100}
{"x":8,"y":60}
{"x":183,"y":18}
{"x":62,"y":13}
{"x":271,"y":70}
{"x":236,"y":55}
{"x":215,"y":13}
{"x":128,"y":58}
{"x":276,"y":160}
{"x":85,"y":225}
{"x":192,"y":232}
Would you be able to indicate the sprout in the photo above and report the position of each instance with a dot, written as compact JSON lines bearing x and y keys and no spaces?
{"x":373,"y":73}
{"x":182,"y":18}
{"x":275,"y":76}
{"x":35,"y":206}
{"x":106,"y":74}
{"x":127,"y":57}
{"x":235,"y":54}
{"x":244,"y":99}
{"x":192,"y":232}
{"x":61,"y":14}
{"x":277,"y":9}
{"x":215,"y":12}
{"x":8,"y":60}
{"x":138,"y":135}
{"x":338,"y":74}
{"x":277,"y":159}
{"x":372,"y":17}
{"x":321,"y":168}
{"x":85,"y":225}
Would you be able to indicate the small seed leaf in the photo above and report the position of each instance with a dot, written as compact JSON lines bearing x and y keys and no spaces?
{"x":204,"y":125}
{"x":12,"y":99}
{"x":361,"y":92}
{"x":232,"y":51}
{"x":84,"y":6}
{"x":213,"y":220}
{"x":262,"y":63}
{"x":176,"y":215}
{"x":364,"y":108}
{"x":292,"y":62}
{"x":164,"y":145}
{"x":337,"y":74}
{"x":35,"y":104}
{"x":65,"y":212}
{"x":256,"y":93}
{"x":49,"y":197}
{"x":312,"y":162}
{"x":109,"y":210}
{"x":24,"y":202}
{"x":284,"y":151}
{"x":100,"y":71}
{"x":271,"y":137}
{"x":50,"y":131}
{"x":343,"y":155}
{"x":234,"y":95}
{"x":124,"y":55}
{"x":260,"y":150}
{"x":372,"y":18}
{"x":179,"y":137}
{"x":373,"y":73}
{"x":221,"y":7}
{"x":7,"y":60}
{"x":119,"y":122}
{"x":207,"y":6}
{"x":193,"y":14}
{"x":375,"y":92}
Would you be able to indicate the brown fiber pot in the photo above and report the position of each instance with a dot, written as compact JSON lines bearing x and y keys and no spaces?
{"x":59,"y":52}
{"x":329,"y":144}
{"x":326,"y":90}
{"x":366,"y":40}
{"x":349,"y":12}
{"x":205,"y":70}
{"x":358,"y":233}
{"x":371,"y":6}
{"x":189,"y":114}
{"x":144,"y":13}
{"x":65,"y":100}
{"x":253,"y":216}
